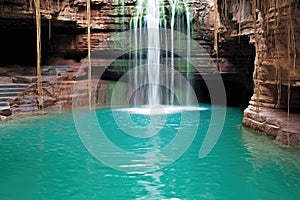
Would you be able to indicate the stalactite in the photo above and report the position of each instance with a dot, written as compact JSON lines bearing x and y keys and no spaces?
{"x":293,"y":39}
{"x":30,"y":5}
{"x":295,"y":50}
{"x":224,"y":10}
{"x":291,"y":51}
{"x":257,"y":62}
{"x":38,"y":45}
{"x":268,"y":31}
{"x":49,"y":29}
{"x":277,"y":65}
{"x":278,"y":81}
{"x":88,"y":13}
{"x":240,"y":19}
{"x":49,"y":21}
{"x":57,"y":4}
{"x":289,"y":56}
{"x":216,"y":27}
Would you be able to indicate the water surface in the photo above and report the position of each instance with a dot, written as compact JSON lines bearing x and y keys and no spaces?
{"x":42,"y":157}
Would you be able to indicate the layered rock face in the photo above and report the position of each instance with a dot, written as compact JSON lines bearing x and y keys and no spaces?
{"x":64,"y":44}
{"x":270,"y":51}
{"x":64,"y":38}
{"x":64,"y":25}
{"x":275,"y":105}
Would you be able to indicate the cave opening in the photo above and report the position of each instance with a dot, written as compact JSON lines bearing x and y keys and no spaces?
{"x":18,"y":43}
{"x":235,"y":62}
{"x":236,"y":67}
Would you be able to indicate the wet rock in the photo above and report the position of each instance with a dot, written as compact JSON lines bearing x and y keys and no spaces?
{"x":49,"y":101}
{"x":24,"y":79}
{"x":5,"y":80}
{"x":274,"y":122}
{"x":6,"y":112}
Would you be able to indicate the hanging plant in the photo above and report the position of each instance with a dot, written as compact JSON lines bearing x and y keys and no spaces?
{"x":38,"y":45}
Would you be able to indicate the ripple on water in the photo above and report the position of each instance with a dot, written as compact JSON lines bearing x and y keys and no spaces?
{"x":43,"y":158}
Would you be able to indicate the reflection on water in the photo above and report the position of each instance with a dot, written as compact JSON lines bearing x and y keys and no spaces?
{"x":282,"y":162}
{"x":152,"y":183}
{"x":44,"y":158}
{"x":264,"y":152}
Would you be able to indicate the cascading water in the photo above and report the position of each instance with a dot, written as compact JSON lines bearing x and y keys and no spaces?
{"x":153,"y":55}
{"x":153,"y":81}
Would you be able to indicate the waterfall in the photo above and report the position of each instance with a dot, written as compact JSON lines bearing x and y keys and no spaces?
{"x":153,"y":78}
{"x":153,"y":55}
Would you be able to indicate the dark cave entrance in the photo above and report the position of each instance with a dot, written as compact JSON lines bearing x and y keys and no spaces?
{"x":18,"y":47}
{"x":238,"y":77}
{"x":18,"y":42}
{"x":236,"y":66}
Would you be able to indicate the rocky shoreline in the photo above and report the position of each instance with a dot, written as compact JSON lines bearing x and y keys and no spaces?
{"x":275,"y":123}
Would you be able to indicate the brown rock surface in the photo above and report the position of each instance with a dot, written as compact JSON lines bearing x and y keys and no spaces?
{"x":6,"y":112}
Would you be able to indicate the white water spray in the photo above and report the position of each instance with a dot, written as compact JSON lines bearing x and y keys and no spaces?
{"x":149,"y":29}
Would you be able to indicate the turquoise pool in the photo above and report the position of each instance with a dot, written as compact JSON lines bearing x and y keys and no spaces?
{"x":42,"y":157}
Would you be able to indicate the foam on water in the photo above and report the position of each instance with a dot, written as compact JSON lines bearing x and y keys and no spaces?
{"x":159,"y":109}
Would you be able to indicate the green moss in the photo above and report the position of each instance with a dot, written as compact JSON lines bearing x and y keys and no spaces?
{"x":165,"y":12}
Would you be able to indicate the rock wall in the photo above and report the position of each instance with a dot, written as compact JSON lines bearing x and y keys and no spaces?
{"x":275,"y":105}
{"x":64,"y":27}
{"x":276,"y":101}
{"x":64,"y":36}
{"x":64,"y":24}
